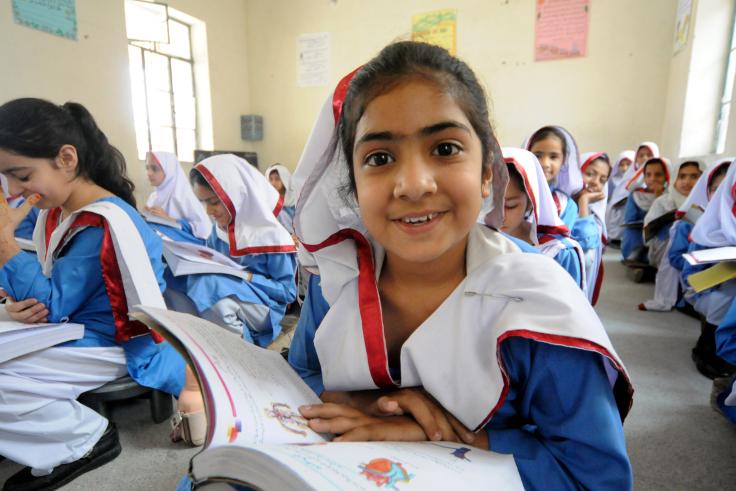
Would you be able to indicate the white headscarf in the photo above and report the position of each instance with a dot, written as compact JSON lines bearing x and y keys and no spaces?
{"x":642,"y":196}
{"x":717,"y":226}
{"x":698,"y":198}
{"x":253,"y":205}
{"x":176,"y":197}
{"x":545,"y":219}
{"x":569,"y":180}
{"x":285,"y":176}
{"x":633,"y":177}
{"x":617,"y":177}
{"x":599,"y":207}
{"x":671,"y":200}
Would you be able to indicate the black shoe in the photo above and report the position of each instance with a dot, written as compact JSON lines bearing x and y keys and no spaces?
{"x":106,"y":449}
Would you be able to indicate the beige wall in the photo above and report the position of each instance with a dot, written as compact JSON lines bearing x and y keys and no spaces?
{"x":610,"y":100}
{"x":94,"y":69}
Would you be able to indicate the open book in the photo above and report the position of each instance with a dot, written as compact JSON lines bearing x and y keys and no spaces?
{"x":652,"y":228}
{"x":184,"y":258}
{"x":707,"y":256}
{"x":151,"y":218}
{"x":256,"y":436}
{"x":18,"y":339}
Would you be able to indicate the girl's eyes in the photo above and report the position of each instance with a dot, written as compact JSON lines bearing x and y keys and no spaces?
{"x":25,"y":178}
{"x":378,"y":159}
{"x":446,"y":149}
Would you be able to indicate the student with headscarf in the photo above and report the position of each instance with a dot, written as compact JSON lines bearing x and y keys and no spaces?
{"x":619,"y":168}
{"x":280,"y":178}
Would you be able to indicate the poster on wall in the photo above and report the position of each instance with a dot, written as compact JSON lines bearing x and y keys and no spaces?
{"x":313,"y":59}
{"x":438,"y":28}
{"x":57,"y":17}
{"x":561,"y":29}
{"x":682,"y":28}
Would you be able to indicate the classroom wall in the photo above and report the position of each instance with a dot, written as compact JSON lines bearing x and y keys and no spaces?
{"x":610,"y":100}
{"x":94,"y":69}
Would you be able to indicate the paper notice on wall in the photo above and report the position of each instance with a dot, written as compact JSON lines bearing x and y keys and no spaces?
{"x":682,"y":28}
{"x":438,"y":28}
{"x":561,"y":29}
{"x":58,"y":17}
{"x":313,"y":59}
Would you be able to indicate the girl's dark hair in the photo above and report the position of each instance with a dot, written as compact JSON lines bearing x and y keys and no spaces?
{"x":689,"y":163}
{"x":196,"y":177}
{"x":515,"y":176}
{"x":721,"y":170}
{"x":37,"y":128}
{"x":544,"y":133}
{"x":402,"y":60}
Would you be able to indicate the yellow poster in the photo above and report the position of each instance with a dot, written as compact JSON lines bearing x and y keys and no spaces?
{"x":438,"y":27}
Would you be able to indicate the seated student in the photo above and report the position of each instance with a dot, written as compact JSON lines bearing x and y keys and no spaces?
{"x":715,"y":228}
{"x":25,"y":228}
{"x":590,"y":227}
{"x":622,"y":164}
{"x":656,"y":179}
{"x":658,"y":223}
{"x":414,"y":294}
{"x":280,"y":178}
{"x":530,"y":214}
{"x":558,"y":155}
{"x":96,"y":257}
{"x":173,"y":199}
{"x":631,"y":180}
{"x":723,"y":394}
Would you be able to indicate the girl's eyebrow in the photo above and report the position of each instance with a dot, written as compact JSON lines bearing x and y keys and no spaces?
{"x":428,"y":130}
{"x":15,"y":169}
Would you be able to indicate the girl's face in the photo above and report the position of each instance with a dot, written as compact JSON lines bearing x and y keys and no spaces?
{"x":687,"y":176}
{"x":596,"y":175}
{"x":655,"y":177}
{"x":154,"y":171}
{"x":515,"y":205}
{"x":643,"y":154}
{"x":714,"y":185}
{"x":418,"y":173}
{"x":212,"y":205}
{"x":623,"y":166}
{"x":276,"y":182}
{"x":550,"y":154}
{"x":52,"y":179}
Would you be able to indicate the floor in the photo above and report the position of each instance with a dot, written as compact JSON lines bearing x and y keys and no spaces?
{"x":675,"y":440}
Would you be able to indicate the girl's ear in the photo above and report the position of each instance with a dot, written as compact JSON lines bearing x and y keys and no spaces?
{"x":67,"y":159}
{"x":486,"y":180}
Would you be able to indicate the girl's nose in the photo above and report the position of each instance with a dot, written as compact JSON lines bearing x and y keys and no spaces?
{"x":414,"y":179}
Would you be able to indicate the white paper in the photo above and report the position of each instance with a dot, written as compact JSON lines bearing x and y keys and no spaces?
{"x":313,"y":59}
{"x":707,"y":256}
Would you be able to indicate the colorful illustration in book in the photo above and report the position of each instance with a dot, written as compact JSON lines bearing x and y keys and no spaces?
{"x":291,"y":420}
{"x":385,"y":473}
{"x":233,"y":430}
{"x":458,"y":452}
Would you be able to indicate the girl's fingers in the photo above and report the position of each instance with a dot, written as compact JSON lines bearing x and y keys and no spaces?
{"x":461,"y":430}
{"x":337,"y":425}
{"x":329,"y":410}
{"x":20,"y":305}
{"x":384,"y":431}
{"x":387,"y":406}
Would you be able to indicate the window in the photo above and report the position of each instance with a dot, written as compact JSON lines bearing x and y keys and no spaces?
{"x":162,"y":78}
{"x":725,"y":109}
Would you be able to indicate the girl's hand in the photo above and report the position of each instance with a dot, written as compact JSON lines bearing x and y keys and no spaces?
{"x":10,"y":218}
{"x":594,"y":197}
{"x":354,"y":425}
{"x":28,"y":311}
{"x":159,"y":212}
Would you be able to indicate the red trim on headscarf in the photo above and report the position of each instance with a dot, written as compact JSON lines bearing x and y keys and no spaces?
{"x":590,"y":160}
{"x":558,"y":204}
{"x":279,"y":205}
{"x":369,"y":304}
{"x":598,"y":284}
{"x":733,"y":197}
{"x":232,"y":243}
{"x":52,"y":221}
{"x":338,"y":97}
{"x":527,"y":185}
{"x":641,"y":170}
{"x":125,"y":328}
{"x":556,"y":229}
{"x":623,"y":395}
{"x":679,"y":214}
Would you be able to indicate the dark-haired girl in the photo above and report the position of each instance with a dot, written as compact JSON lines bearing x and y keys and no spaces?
{"x":424,"y":323}
{"x":96,"y":259}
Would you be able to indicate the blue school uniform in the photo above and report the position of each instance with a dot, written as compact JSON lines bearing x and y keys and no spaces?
{"x":77,"y":291}
{"x":633,"y":238}
{"x":272,"y":285}
{"x":578,"y":402}
{"x":185,"y":234}
{"x":587,"y":233}
{"x":25,"y":229}
{"x":680,"y":244}
{"x":569,"y":259}
{"x":286,"y":218}
{"x":570,"y":212}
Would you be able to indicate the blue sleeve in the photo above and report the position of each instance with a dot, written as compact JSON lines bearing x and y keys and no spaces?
{"x":632,"y":213}
{"x":280,"y":284}
{"x":302,"y":354}
{"x":726,"y":336}
{"x":560,"y":420}
{"x":570,"y":213}
{"x":680,"y":244}
{"x":24,"y":230}
{"x":570,"y":262}
{"x":75,"y":274}
{"x":688,"y":269}
{"x":587,"y":233}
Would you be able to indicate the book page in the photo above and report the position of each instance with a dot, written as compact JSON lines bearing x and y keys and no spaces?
{"x":151,"y":218}
{"x":18,"y":339}
{"x":397,"y":466}
{"x":716,"y":255}
{"x":252,"y":394}
{"x":200,"y":254}
{"x":720,"y":273}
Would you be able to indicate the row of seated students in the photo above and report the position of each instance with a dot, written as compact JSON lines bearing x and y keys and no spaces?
{"x":402,"y":187}
{"x":669,"y":211}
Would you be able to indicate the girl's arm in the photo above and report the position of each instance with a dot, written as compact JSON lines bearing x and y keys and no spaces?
{"x":280,"y":284}
{"x":587,"y":232}
{"x":570,"y":262}
{"x":679,"y":246}
{"x":570,"y":213}
{"x":560,"y":420}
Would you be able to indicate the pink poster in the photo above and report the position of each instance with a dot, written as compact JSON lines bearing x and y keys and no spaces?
{"x":561,"y":29}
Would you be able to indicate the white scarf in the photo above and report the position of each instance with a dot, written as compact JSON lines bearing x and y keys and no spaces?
{"x":616,"y":176}
{"x":569,"y":180}
{"x":285,"y":176}
{"x":253,"y":205}
{"x":176,"y":197}
{"x":717,"y":226}
{"x":695,"y":204}
{"x":633,"y":177}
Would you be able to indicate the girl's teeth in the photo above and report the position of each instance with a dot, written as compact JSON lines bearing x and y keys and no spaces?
{"x":416,"y":220}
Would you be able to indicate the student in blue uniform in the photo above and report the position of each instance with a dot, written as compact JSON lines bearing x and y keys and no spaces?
{"x":414,"y":294}
{"x":723,"y":395}
{"x":280,"y":178}
{"x":557,"y":152}
{"x":656,"y":179}
{"x":530,"y":214}
{"x":96,"y":258}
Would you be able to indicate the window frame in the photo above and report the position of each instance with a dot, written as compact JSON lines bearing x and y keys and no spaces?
{"x":726,"y":99}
